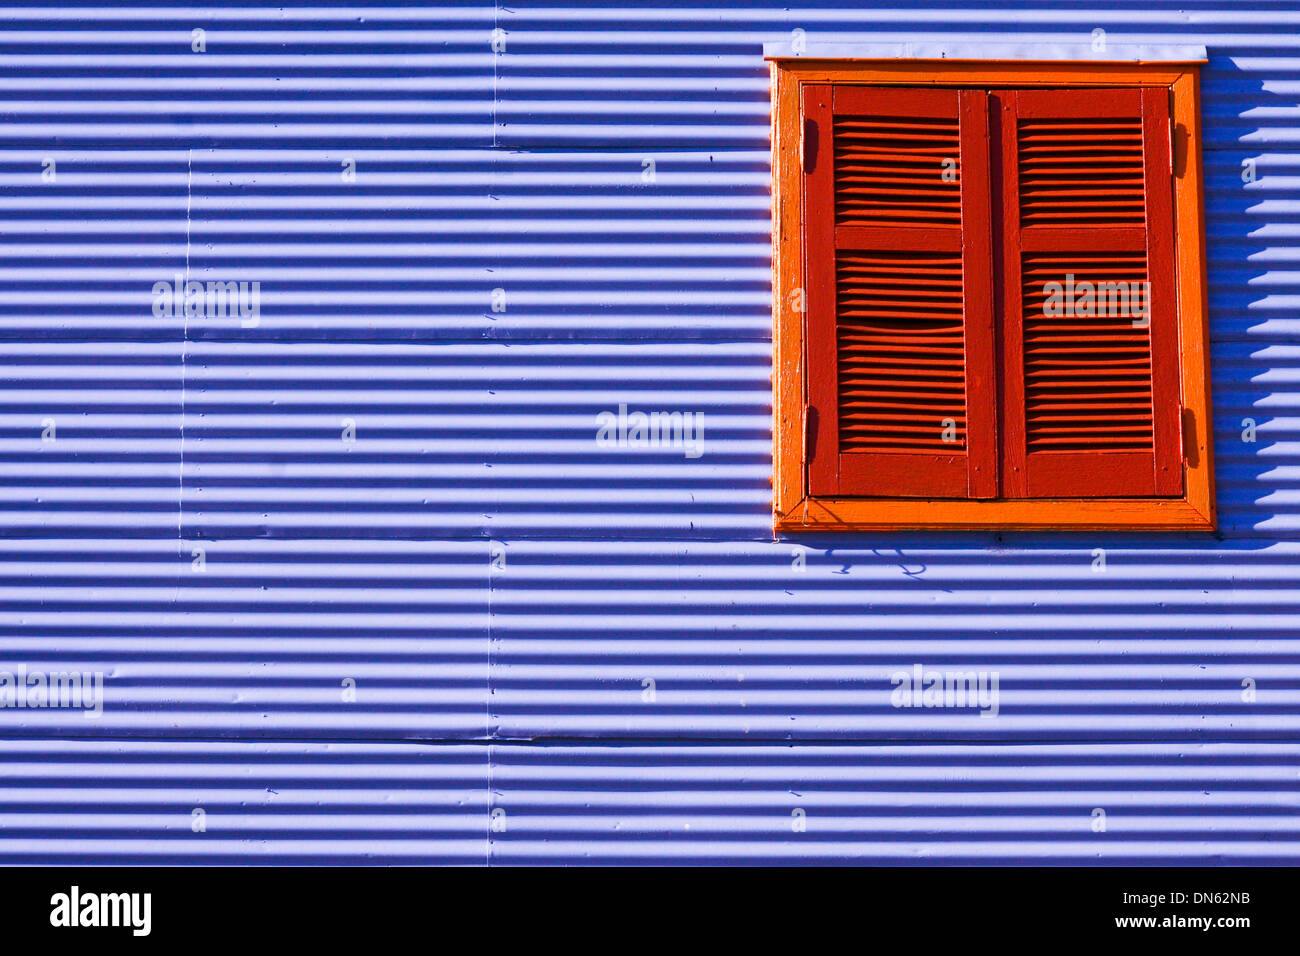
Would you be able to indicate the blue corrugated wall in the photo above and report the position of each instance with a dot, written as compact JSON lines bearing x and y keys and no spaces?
{"x":362,"y":584}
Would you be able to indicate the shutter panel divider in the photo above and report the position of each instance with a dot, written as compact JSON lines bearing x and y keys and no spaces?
{"x":977,"y":285}
{"x":1013,"y":480}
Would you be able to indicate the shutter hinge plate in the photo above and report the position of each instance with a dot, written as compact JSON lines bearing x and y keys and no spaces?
{"x":809,"y":436}
{"x":1173,"y":145}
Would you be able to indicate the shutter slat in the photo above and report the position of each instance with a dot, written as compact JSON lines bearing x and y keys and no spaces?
{"x":879,"y":164}
{"x":893,"y":317}
{"x":1117,"y":354}
{"x":1086,"y":171}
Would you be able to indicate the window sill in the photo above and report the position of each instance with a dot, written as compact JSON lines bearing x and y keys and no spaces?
{"x":1060,"y":514}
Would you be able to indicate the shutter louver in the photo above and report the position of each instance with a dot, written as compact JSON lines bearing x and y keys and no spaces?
{"x":901,"y":357}
{"x":1090,"y":351}
{"x":1087,"y":378}
{"x":888,"y":171}
{"x":899,"y":290}
{"x":1082,"y":172}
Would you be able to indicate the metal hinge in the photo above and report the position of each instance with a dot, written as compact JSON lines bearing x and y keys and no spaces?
{"x":809,"y":432}
{"x":1173,"y":144}
{"x":804,"y":457}
{"x":807,"y":141}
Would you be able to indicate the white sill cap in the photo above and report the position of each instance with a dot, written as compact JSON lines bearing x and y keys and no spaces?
{"x":1027,"y":52}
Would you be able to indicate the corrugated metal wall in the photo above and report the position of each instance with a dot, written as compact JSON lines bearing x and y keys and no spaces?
{"x":362,"y":583}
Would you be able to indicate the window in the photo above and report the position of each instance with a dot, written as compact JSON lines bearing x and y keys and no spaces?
{"x":989,"y":296}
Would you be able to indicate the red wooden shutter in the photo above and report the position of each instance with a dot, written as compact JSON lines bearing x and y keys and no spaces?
{"x":1090,"y":393}
{"x":899,"y":293}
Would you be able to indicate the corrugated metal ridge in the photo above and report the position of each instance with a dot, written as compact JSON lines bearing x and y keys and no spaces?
{"x":93,"y":802}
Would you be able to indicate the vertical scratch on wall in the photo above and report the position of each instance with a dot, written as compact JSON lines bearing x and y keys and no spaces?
{"x":185,"y":339}
{"x":487,"y":728}
{"x":496,"y":25}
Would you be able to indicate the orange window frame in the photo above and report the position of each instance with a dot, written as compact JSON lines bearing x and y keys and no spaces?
{"x":794,"y":508}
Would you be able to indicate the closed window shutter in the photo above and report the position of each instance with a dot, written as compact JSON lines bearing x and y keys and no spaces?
{"x":1090,"y":339}
{"x":899,"y":321}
